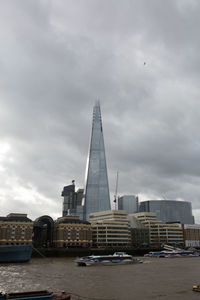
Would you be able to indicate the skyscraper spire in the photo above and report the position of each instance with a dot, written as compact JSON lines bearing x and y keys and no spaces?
{"x":97,"y":197}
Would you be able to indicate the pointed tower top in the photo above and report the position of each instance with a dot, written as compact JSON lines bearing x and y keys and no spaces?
{"x":97,"y":114}
{"x":97,"y":102}
{"x":97,"y":197}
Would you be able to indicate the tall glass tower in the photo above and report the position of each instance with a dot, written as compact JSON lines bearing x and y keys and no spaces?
{"x":97,"y":197}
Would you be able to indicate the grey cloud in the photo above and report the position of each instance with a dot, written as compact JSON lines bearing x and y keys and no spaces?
{"x":57,"y":58}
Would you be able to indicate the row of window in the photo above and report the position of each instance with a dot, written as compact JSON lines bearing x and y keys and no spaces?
{"x":113,"y":240}
{"x":74,"y":228}
{"x":109,"y":215}
{"x":166,"y":232}
{"x":14,"y":238}
{"x":19,"y":226}
{"x":112,"y":231}
{"x":113,"y":236}
{"x":164,"y":227}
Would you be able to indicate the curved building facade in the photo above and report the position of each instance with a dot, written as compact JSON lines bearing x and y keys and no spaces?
{"x":169,"y":210}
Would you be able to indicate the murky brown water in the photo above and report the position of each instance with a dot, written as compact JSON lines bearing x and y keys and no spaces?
{"x":156,"y":278}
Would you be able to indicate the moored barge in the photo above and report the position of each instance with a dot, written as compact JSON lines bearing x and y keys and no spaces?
{"x":36,"y":295}
{"x":15,"y":253}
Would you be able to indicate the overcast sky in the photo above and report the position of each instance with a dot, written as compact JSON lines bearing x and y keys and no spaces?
{"x":140,"y":58}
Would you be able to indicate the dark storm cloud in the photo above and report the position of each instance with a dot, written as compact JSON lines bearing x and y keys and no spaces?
{"x":57,"y":58}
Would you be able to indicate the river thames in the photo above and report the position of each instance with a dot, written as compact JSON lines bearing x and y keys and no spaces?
{"x":156,"y":278}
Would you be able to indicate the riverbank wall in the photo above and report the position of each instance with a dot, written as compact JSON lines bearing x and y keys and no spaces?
{"x":74,"y":252}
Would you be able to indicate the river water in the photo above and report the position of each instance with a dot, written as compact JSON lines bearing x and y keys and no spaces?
{"x":156,"y":278}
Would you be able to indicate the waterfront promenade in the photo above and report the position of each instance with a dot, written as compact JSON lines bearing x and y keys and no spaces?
{"x":156,"y":278}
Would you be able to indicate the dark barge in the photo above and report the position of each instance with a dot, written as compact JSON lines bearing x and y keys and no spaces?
{"x":36,"y":295}
{"x":15,"y":253}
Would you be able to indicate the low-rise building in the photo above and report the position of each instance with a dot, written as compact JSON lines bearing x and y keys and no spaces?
{"x":160,"y":233}
{"x":15,"y":229}
{"x":111,"y":228}
{"x":191,"y":234}
{"x":70,"y":231}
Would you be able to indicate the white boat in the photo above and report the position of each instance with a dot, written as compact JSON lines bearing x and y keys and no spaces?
{"x":173,"y":253}
{"x":116,"y":258}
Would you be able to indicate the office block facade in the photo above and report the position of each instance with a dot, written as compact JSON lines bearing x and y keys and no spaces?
{"x":139,"y":233}
{"x":129,"y":203}
{"x":72,"y":202}
{"x":191,"y":235}
{"x":161,"y":233}
{"x":79,"y":197}
{"x":69,"y":201}
{"x":111,"y":229}
{"x":169,"y":210}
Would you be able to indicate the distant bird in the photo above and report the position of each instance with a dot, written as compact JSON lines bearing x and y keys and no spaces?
{"x":144,"y":63}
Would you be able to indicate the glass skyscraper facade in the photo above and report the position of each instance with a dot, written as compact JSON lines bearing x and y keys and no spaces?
{"x":72,"y":203}
{"x":129,"y":203}
{"x":97,"y":197}
{"x":69,"y":202}
{"x":169,"y":210}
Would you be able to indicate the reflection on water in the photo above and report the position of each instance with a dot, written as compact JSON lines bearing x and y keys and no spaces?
{"x":56,"y":275}
{"x":149,"y":280}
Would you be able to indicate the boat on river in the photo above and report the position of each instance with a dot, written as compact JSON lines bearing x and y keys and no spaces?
{"x":15,"y":253}
{"x":36,"y":295}
{"x":173,"y":253}
{"x":116,"y":258}
{"x":196,"y":288}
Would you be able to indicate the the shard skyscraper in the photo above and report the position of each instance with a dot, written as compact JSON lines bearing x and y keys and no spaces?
{"x":97,"y":197}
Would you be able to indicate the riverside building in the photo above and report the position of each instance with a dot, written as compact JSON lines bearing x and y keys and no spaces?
{"x":139,"y":233}
{"x":97,"y":197}
{"x":70,"y":231}
{"x":111,"y":228}
{"x":15,"y":229}
{"x":160,"y":233}
{"x":191,"y":234}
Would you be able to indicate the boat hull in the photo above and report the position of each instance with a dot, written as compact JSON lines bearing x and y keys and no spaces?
{"x":108,"y":261}
{"x":15,"y":253}
{"x":36,"y":295}
{"x":171,"y":254}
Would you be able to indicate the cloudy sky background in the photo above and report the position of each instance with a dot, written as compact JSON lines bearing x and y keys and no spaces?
{"x":58,"y":57}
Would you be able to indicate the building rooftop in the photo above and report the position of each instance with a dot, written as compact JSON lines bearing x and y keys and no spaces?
{"x":71,"y":220}
{"x":15,"y":217}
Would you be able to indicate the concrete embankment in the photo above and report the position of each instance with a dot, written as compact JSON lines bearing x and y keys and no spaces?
{"x":73,"y":252}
